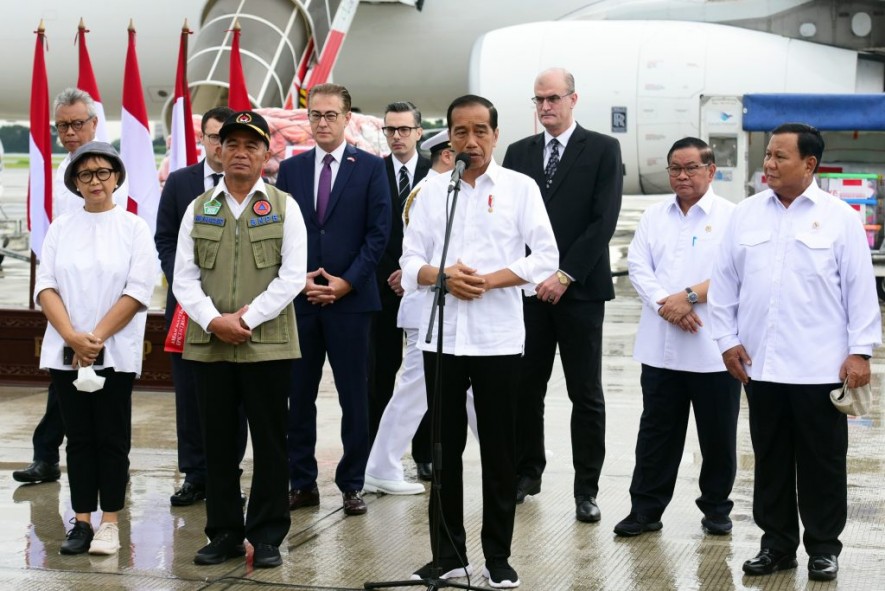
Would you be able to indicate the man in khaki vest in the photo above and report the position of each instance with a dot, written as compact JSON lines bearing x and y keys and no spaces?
{"x":241,"y":260}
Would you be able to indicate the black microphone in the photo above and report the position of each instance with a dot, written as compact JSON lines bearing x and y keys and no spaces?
{"x":462,"y":163}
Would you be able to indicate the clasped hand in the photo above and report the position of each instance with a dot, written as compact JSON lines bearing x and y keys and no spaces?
{"x":230,"y":328}
{"x":463,"y":282}
{"x":86,"y":348}
{"x":677,"y":310}
{"x":323,"y":295}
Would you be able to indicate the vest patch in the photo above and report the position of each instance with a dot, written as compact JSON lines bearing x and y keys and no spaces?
{"x":205,"y":219}
{"x":261,"y":208}
{"x":268,"y":219}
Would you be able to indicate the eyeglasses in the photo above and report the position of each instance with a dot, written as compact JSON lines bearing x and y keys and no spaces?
{"x":213,"y":138}
{"x":329,"y":116}
{"x":64,"y":126}
{"x":690,"y":170}
{"x":103,"y":174}
{"x":402,"y":131}
{"x":552,"y":100}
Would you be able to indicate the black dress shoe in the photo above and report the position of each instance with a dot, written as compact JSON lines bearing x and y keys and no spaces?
{"x":527,"y":487}
{"x":425,"y":471}
{"x":768,"y":561}
{"x":39,"y":471}
{"x":586,"y":509}
{"x":266,"y":556}
{"x":306,"y":497}
{"x":78,"y":538}
{"x":823,"y":567}
{"x":223,"y":547}
{"x":635,"y":524}
{"x":354,"y":503}
{"x":188,"y":494}
{"x":716,"y":525}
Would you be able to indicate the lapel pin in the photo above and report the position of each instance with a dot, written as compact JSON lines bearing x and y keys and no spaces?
{"x":351,"y":159}
{"x":491,"y":203}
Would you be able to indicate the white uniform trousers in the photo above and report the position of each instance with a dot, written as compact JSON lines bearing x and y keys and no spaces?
{"x":403,"y":414}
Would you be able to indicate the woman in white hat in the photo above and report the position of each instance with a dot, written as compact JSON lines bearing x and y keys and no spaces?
{"x":96,"y":277}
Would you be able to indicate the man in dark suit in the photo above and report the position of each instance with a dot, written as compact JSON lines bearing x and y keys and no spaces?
{"x":580,"y":176}
{"x":182,"y":187}
{"x":345,"y":201}
{"x":405,"y":169}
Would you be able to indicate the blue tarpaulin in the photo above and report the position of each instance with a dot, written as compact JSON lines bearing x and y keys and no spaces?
{"x":827,"y":112}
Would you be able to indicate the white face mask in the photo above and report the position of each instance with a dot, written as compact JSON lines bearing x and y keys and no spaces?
{"x":88,"y":381}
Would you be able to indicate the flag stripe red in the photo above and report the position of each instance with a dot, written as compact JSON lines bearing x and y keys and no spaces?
{"x":238,"y":96}
{"x":40,"y":198}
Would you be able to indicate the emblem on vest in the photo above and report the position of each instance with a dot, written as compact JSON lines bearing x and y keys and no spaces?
{"x":268,"y":219}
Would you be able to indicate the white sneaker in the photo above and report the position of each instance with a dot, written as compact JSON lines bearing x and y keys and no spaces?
{"x":106,"y":540}
{"x":392,"y":487}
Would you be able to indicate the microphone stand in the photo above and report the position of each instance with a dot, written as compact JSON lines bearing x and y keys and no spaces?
{"x":434,"y":581}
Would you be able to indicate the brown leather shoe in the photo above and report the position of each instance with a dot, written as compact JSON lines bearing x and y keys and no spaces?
{"x":307,"y":497}
{"x":354,"y":503}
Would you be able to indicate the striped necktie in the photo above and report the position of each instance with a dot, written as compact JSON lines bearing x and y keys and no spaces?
{"x":403,"y":186}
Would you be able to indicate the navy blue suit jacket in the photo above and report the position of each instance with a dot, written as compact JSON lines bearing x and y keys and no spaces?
{"x":182,"y":186}
{"x":350,"y":241}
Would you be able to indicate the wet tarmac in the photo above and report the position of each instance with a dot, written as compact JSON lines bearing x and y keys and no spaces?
{"x":326,"y":550}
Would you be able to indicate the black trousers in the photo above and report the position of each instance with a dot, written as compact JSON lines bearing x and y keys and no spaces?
{"x":800,"y":442}
{"x":494,"y":380}
{"x":576,"y":326}
{"x":262,"y":390}
{"x":99,"y":428}
{"x":667,"y":397}
{"x":189,"y":427}
{"x":50,"y":431}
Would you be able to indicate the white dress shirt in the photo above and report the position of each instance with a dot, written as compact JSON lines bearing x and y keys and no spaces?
{"x":562,"y":138}
{"x":208,"y":181}
{"x":63,"y":201}
{"x":795,"y":287}
{"x":494,"y":221}
{"x":92,"y":260}
{"x":669,"y":252}
{"x":411,"y":164}
{"x":289,"y":282}
{"x":337,"y":155}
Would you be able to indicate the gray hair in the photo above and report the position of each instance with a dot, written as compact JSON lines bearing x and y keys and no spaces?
{"x":71,"y":96}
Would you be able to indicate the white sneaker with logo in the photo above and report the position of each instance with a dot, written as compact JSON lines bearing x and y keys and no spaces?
{"x":106,"y":540}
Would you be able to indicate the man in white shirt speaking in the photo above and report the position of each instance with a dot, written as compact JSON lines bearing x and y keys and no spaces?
{"x":498,"y":213}
{"x":670,"y":260}
{"x":794,"y":311}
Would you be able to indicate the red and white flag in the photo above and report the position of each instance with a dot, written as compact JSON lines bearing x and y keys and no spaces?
{"x":136,"y":146}
{"x":40,"y":150}
{"x":86,"y":82}
{"x":238,"y":96}
{"x":183,"y":146}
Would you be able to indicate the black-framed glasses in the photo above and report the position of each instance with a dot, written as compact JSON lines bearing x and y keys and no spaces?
{"x":690,"y":170}
{"x":103,"y":174}
{"x":403,"y":131}
{"x":329,"y":116}
{"x":213,"y":138}
{"x":552,"y":100}
{"x":76,"y":125}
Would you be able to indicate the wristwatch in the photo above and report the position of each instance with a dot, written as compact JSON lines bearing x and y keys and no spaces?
{"x":563,"y":278}
{"x":692,"y":295}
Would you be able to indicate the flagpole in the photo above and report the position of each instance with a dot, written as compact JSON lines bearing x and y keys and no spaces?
{"x":40,"y":167}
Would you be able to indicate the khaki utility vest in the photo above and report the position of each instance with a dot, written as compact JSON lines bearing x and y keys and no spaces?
{"x":238,"y":259}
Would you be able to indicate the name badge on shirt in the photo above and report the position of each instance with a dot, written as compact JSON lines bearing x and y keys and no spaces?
{"x":268,"y":219}
{"x":212,"y":207}
{"x":204,"y":219}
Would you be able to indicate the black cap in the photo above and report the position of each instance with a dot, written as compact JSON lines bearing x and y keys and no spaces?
{"x":248,"y":120}
{"x":102,"y":149}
